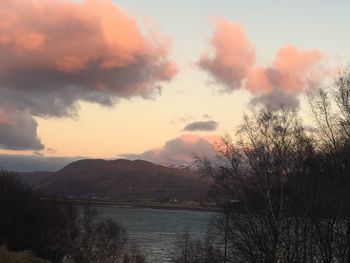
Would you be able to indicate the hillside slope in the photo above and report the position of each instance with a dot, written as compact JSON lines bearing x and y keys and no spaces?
{"x":124,"y":180}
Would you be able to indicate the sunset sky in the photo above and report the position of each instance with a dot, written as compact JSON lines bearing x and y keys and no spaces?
{"x":156,"y":80}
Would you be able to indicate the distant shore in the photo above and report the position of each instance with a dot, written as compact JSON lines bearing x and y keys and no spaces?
{"x":150,"y":205}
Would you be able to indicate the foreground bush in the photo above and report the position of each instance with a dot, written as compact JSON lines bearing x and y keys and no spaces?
{"x":18,"y":257}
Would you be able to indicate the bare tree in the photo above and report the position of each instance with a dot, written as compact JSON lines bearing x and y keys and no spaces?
{"x":292,"y":186}
{"x":98,"y":241}
{"x":189,"y":250}
{"x":331,"y":111}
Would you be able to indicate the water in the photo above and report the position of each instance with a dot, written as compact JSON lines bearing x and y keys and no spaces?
{"x":156,"y":230}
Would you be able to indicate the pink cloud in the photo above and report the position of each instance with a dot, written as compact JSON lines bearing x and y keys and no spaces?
{"x":55,"y":53}
{"x":258,"y":80}
{"x":180,"y":150}
{"x":233,"y":64}
{"x":232,"y":54}
{"x":292,"y":70}
{"x":72,"y":38}
{"x":4,"y":119}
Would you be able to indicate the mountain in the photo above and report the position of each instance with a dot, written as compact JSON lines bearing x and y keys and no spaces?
{"x":122,"y":180}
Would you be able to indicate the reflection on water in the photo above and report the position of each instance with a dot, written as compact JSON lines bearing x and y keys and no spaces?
{"x":156,"y":230}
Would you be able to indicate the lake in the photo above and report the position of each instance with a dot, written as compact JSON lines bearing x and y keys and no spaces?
{"x":156,"y":230}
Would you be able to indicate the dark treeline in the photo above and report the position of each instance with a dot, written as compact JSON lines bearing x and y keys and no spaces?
{"x":57,"y":231}
{"x":285,"y":187}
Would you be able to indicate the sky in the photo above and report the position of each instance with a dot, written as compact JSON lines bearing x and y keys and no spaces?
{"x":151,"y":79}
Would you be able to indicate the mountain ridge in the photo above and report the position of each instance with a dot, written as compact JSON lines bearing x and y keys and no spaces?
{"x":123,"y":180}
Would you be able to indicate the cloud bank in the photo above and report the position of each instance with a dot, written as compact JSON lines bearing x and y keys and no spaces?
{"x":202,"y":126}
{"x":232,"y":62}
{"x":180,"y":150}
{"x":55,"y":53}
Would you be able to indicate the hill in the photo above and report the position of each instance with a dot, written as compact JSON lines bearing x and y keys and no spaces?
{"x":121,"y":180}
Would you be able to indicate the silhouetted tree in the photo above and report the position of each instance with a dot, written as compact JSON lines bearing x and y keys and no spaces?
{"x":134,"y":255}
{"x":292,"y":186}
{"x":29,"y":222}
{"x":331,"y":111}
{"x":189,"y":250}
{"x":98,"y":240}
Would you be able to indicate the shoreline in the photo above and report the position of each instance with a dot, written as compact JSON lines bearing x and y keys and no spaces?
{"x":148,"y":205}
